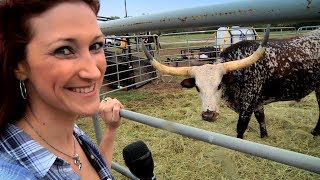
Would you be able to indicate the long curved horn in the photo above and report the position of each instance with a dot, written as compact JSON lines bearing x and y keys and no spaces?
{"x":245,"y":62}
{"x":178,"y":71}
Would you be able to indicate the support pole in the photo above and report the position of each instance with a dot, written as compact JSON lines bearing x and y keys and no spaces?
{"x":114,"y":165}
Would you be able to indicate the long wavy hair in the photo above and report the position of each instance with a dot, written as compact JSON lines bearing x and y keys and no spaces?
{"x":15,"y":34}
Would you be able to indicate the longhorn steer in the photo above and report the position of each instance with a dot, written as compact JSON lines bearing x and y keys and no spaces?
{"x":289,"y":70}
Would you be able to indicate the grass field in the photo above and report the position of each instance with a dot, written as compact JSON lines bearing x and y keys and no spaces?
{"x":176,"y":157}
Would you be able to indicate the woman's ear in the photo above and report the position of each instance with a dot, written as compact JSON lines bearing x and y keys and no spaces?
{"x":21,"y":71}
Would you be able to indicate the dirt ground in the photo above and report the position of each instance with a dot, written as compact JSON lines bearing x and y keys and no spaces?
{"x":160,"y":85}
{"x":165,"y":83}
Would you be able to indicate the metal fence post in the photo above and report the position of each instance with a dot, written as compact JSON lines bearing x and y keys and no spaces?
{"x":114,"y":165}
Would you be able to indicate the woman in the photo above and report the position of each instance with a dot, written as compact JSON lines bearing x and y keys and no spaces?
{"x":52,"y":67}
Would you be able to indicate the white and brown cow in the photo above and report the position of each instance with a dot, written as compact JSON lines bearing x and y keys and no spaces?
{"x":288,"y":70}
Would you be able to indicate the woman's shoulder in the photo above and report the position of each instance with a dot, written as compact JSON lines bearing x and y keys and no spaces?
{"x":21,"y":156}
{"x":10,"y":170}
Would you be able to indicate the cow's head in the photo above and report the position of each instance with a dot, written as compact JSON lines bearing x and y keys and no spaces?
{"x":207,"y":78}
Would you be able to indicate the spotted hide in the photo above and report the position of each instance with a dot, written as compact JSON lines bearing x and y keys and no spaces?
{"x":289,"y":70}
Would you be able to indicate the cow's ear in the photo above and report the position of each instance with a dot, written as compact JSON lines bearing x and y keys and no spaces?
{"x":188,"y":83}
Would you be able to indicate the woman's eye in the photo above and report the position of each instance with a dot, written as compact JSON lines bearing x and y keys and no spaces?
{"x":63,"y":52}
{"x":96,"y":46}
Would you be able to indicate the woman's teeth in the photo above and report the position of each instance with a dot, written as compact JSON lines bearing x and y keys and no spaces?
{"x":83,"y":90}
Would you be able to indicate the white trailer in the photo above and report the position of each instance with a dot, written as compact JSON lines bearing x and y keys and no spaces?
{"x":225,"y":36}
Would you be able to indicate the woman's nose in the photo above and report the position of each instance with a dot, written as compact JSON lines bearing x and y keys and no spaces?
{"x":90,"y":68}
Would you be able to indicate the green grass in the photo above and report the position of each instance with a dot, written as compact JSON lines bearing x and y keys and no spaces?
{"x":176,"y":157}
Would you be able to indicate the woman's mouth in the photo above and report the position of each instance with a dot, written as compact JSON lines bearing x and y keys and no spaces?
{"x":83,"y":90}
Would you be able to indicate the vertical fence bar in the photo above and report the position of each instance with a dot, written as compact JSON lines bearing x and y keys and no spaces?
{"x":97,"y":127}
{"x":114,"y":165}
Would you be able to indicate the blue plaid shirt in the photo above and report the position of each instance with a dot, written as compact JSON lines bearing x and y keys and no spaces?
{"x":21,"y":157}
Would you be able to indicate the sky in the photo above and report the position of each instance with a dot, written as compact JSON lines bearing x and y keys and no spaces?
{"x":139,"y":7}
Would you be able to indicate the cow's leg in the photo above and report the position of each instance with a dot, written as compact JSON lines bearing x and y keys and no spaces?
{"x":316,"y":130}
{"x":250,"y":95}
{"x":244,"y":118}
{"x":245,"y":113}
{"x":259,"y":114}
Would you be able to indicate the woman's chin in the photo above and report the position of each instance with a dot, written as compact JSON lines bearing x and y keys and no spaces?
{"x":89,"y":111}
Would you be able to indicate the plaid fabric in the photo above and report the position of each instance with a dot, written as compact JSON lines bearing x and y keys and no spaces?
{"x":21,"y":157}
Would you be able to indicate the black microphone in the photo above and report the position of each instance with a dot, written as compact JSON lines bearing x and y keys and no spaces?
{"x":138,"y":159}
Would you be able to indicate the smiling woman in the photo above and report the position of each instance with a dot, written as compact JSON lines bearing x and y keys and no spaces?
{"x":53,"y":68}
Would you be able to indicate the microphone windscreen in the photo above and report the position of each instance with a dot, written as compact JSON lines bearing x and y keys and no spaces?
{"x":138,"y":159}
{"x":135,"y":151}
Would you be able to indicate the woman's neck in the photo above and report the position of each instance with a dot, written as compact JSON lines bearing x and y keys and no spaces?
{"x":54,"y":128}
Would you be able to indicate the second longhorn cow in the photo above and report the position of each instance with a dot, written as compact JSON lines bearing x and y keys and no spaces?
{"x":288,"y":69}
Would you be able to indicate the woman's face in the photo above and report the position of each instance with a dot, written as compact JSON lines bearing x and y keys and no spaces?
{"x":65,"y":60}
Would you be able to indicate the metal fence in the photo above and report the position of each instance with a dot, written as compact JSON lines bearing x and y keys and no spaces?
{"x":128,"y":68}
{"x":283,"y":156}
{"x":201,"y":47}
{"x":307,"y":28}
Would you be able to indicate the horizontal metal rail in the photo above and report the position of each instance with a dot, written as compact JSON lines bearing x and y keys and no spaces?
{"x":244,"y":12}
{"x":283,"y":156}
{"x":123,"y":171}
{"x":302,"y":161}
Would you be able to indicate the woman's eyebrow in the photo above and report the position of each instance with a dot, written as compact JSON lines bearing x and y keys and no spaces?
{"x":98,"y":36}
{"x":73,"y":40}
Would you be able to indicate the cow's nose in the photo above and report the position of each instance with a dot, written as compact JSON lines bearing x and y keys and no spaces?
{"x":209,"y":115}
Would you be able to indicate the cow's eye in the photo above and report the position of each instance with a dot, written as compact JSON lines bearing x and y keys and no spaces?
{"x":197,"y":89}
{"x":219,"y":87}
